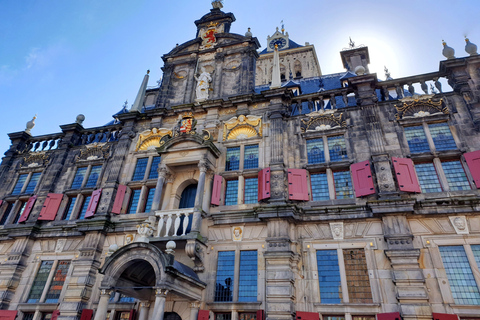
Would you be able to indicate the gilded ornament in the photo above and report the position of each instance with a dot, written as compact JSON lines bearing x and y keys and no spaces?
{"x":242,"y":127}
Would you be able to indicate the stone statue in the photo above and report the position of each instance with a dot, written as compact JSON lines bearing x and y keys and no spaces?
{"x":203,"y":84}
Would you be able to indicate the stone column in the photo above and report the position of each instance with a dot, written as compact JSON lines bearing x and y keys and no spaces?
{"x":143,"y":312}
{"x":102,"y":308}
{"x":159,"y":309}
{"x":208,"y":193}
{"x":157,"y":196}
{"x":197,"y":211}
{"x":194,"y":307}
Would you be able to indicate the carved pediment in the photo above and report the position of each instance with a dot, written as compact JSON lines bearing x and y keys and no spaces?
{"x":419,"y":106}
{"x":242,"y":127}
{"x":323,"y":121}
{"x":150,"y":139}
{"x":39,"y":159}
{"x":94,"y":151}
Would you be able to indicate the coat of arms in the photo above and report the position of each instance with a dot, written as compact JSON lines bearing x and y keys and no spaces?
{"x":208,"y":36}
{"x":186,"y":125}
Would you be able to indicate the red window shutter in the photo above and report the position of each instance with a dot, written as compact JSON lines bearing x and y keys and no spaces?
{"x":444,"y":316}
{"x":8,"y":314}
{"x":406,"y":176}
{"x":86,"y":314}
{"x":297,"y":185}
{"x":473,"y":162}
{"x":50,"y":207}
{"x":132,"y":314}
{"x":216,"y":190}
{"x":389,"y":316}
{"x":307,"y":315}
{"x":28,"y":209}
{"x":55,"y":315}
{"x":264,"y":184}
{"x":203,"y":315}
{"x":117,"y":205}
{"x":1,"y":202}
{"x":260,"y":314}
{"x":362,"y":179}
{"x":92,"y":206}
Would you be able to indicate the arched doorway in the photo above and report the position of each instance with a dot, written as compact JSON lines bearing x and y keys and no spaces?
{"x":171,"y":316}
{"x":187,"y":200}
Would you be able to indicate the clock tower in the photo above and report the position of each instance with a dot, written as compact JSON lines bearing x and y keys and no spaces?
{"x":278,"y":38}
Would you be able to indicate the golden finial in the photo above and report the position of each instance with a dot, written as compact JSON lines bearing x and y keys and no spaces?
{"x":148,"y":71}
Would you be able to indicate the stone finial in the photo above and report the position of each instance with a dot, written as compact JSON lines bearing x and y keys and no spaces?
{"x":470,"y":48}
{"x":138,"y":104}
{"x":171,"y":245}
{"x":448,"y":52}
{"x":248,"y":33}
{"x":276,"y":79}
{"x":217,"y":4}
{"x":30,"y":124}
{"x":387,"y":73}
{"x":80,"y":118}
{"x":360,"y":70}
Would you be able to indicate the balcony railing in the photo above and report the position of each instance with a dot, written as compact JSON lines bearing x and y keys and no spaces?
{"x":174,"y":223}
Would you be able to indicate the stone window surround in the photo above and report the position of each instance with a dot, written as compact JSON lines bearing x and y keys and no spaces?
{"x":18,"y":202}
{"x":344,"y":308}
{"x":89,"y":166}
{"x":331,"y":184}
{"x":41,"y":307}
{"x":431,"y":243}
{"x":140,"y":155}
{"x":77,"y":207}
{"x":325,"y":135}
{"x":30,"y":172}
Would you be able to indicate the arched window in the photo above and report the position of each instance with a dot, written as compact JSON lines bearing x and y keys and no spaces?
{"x":187,"y":200}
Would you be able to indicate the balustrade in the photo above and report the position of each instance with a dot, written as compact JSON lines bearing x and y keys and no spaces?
{"x":173,"y":223}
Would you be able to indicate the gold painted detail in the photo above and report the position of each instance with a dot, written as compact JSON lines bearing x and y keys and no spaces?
{"x":38,"y":159}
{"x":323,"y":122}
{"x":241,"y":127}
{"x":416,"y":108}
{"x":94,"y":152}
{"x":149,"y":139}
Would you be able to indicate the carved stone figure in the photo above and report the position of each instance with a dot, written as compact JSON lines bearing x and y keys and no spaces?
{"x":203,"y":84}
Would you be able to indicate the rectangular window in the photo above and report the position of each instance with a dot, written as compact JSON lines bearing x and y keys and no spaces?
{"x":358,"y":281}
{"x":442,"y":136}
{"x":78,"y":179}
{"x":153,"y":174}
{"x":225,"y":276}
{"x":315,"y":151}
{"x":337,"y":148}
{"x":427,"y":176}
{"x":69,"y":208}
{"x":247,"y":315}
{"x":251,"y":190}
{"x":28,"y":315}
{"x":417,"y":140}
{"x":19,"y":185}
{"x":84,"y":207}
{"x":58,"y":280}
{"x":329,"y":276}
{"x":140,"y":169}
{"x":343,"y":184}
{"x":456,"y":177}
{"x":231,"y":193}
{"x":233,"y":159}
{"x":148,"y":204}
{"x":93,"y":177}
{"x":223,"y":316}
{"x":134,"y":199}
{"x":333,"y":317}
{"x":460,"y":276}
{"x":6,"y":213}
{"x":33,"y":182}
{"x":250,"y":160}
{"x":20,"y":212}
{"x":247,"y":288}
{"x":40,"y":281}
{"x":124,"y":298}
{"x":319,"y":186}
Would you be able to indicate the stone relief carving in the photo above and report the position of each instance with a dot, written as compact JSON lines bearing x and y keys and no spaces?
{"x":337,"y":230}
{"x":418,"y":107}
{"x":94,"y":151}
{"x":203,"y":85}
{"x":237,"y":233}
{"x":242,"y":127}
{"x":325,"y":121}
{"x":459,"y":224}
{"x":39,"y":159}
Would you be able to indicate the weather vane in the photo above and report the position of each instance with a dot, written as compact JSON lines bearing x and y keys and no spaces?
{"x":351,"y":44}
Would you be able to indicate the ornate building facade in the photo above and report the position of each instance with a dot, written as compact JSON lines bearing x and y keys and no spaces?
{"x":225,"y":196}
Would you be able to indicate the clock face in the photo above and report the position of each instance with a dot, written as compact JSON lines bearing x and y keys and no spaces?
{"x":279,"y":42}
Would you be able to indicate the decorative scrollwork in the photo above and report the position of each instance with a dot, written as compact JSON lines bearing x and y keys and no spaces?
{"x":93,"y":152}
{"x":39,"y":159}
{"x":242,"y":127}
{"x":419,"y":107}
{"x":151,"y":138}
{"x":324,"y":122}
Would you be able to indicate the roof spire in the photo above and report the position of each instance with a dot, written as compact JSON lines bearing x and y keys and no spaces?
{"x":351,"y":44}
{"x":276,"y":82}
{"x":138,"y":104}
{"x":283,"y":27}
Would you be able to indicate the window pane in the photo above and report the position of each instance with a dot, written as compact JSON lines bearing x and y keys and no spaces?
{"x":358,"y":281}
{"x":476,"y":253}
{"x":77,"y":181}
{"x":57,"y":282}
{"x":84,"y":207}
{"x":223,"y":316}
{"x":93,"y":177}
{"x":47,"y":316}
{"x":457,"y":180}
{"x":148,"y":205}
{"x":319,"y":186}
{"x":69,"y":209}
{"x":6,"y":213}
{"x":363,"y":318}
{"x":247,"y":288}
{"x":233,"y":159}
{"x":247,"y":316}
{"x":251,"y":157}
{"x":329,"y":276}
{"x":333,"y":318}
{"x":39,"y":282}
{"x":251,"y":190}
{"x":140,"y":168}
{"x":343,"y":184}
{"x":33,"y":182}
{"x":124,"y":298}
{"x":153,"y":174}
{"x":337,"y":148}
{"x":19,"y":213}
{"x":19,"y":185}
{"x":225,"y":276}
{"x":28,"y":316}
{"x":442,"y":136}
{"x":315,"y":151}
{"x":462,"y":283}
{"x":231,"y":193}
{"x":417,"y":140}
{"x":427,"y":176}
{"x":134,"y":199}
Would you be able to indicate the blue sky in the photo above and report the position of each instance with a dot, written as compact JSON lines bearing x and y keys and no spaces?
{"x":59,"y":58}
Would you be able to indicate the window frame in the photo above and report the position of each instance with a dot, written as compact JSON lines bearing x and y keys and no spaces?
{"x":86,"y":177}
{"x":332,"y":190}
{"x":26,"y":182}
{"x":426,"y":130}
{"x":148,"y":169}
{"x":15,"y":212}
{"x":325,"y":135}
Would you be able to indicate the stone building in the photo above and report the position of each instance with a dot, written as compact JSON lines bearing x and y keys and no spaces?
{"x":216,"y":196}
